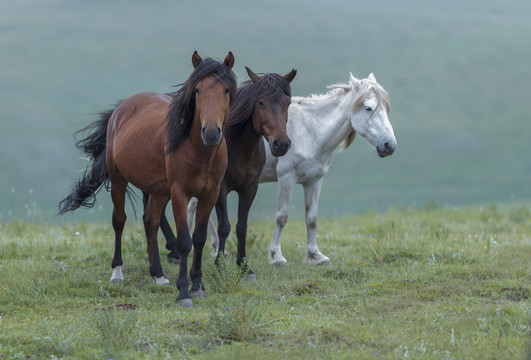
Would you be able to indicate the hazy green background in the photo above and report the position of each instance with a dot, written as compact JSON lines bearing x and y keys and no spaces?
{"x":458,"y":73}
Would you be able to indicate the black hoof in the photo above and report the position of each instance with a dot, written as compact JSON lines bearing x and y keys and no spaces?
{"x":250,"y":277}
{"x":174,"y":259}
{"x":200,"y":294}
{"x":185,"y":303}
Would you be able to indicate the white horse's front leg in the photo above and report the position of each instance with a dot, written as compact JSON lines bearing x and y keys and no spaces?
{"x":214,"y":238}
{"x":190,"y":211}
{"x":285,"y":189}
{"x":312,"y":191}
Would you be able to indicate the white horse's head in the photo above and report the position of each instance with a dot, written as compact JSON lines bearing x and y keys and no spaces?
{"x":369,"y":115}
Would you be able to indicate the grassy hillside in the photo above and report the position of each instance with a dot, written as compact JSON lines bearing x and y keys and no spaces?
{"x":457,"y":73}
{"x":441,"y":283}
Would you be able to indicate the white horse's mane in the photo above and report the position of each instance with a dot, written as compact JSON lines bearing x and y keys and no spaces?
{"x":363,"y":87}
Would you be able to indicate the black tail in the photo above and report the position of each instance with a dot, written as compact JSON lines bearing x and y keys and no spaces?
{"x":94,"y":144}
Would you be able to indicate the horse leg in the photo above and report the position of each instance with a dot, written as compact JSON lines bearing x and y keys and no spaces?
{"x":173,"y":256}
{"x":184,"y":245}
{"x":192,"y":206}
{"x":152,"y":214}
{"x":285,"y":189}
{"x":245,"y":201}
{"x":223,"y":222}
{"x":214,"y":238}
{"x":204,"y":208}
{"x":118,"y":190}
{"x":171,"y":241}
{"x":311,"y":199}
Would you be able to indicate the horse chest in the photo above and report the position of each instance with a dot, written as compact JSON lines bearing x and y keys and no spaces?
{"x":310,"y":170}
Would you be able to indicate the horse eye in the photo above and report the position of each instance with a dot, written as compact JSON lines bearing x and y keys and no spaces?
{"x":196,"y":91}
{"x":368,"y":108}
{"x":226,"y":91}
{"x":261,"y":103}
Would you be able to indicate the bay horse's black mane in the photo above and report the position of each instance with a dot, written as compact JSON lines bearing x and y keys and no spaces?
{"x":182,"y":108}
{"x":270,"y":86}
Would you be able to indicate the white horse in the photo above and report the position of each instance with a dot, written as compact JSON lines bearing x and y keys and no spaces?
{"x":317,"y":125}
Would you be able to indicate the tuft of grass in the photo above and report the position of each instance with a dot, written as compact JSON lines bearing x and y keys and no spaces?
{"x":227,"y":276}
{"x":114,"y":329}
{"x":239,"y":322}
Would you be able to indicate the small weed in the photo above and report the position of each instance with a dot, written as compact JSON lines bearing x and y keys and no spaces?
{"x":237,"y":323}
{"x":307,"y":288}
{"x":114,"y":329}
{"x":227,"y":276}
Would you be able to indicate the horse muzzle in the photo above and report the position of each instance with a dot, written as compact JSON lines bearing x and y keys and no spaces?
{"x":386,"y":148}
{"x":211,"y":136}
{"x":280,"y":147}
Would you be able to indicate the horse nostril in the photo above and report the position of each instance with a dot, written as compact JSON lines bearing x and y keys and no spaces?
{"x":388,"y":148}
{"x":276,"y":144}
{"x":289,"y":144}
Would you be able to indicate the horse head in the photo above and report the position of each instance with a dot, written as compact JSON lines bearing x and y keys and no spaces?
{"x":270,"y":109}
{"x":369,"y":114}
{"x":213,"y":95}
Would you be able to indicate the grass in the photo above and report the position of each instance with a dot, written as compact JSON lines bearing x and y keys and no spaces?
{"x":439,"y":283}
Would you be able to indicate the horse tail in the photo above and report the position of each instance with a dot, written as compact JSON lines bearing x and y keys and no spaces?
{"x":95,"y":175}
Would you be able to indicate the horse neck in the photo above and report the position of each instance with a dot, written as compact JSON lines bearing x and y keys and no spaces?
{"x":243,"y":137}
{"x":331,"y":116}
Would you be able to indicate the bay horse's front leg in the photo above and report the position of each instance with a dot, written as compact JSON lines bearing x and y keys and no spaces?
{"x":311,"y":199}
{"x":184,"y":246}
{"x":245,"y":201}
{"x":204,"y":208}
{"x":153,"y":210}
{"x":285,"y":189}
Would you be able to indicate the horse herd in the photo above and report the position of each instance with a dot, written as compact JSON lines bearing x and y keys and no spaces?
{"x":211,"y":137}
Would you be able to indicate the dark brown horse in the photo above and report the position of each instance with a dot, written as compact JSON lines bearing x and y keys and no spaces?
{"x":260,"y":109}
{"x":168,"y":147}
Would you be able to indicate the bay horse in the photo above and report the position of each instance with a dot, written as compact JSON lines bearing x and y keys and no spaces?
{"x":318,"y":125}
{"x":260,"y":110}
{"x":170,"y":147}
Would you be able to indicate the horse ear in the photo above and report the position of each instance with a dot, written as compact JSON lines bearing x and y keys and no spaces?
{"x":291,"y":75}
{"x":353,"y":79}
{"x":196,"y":59}
{"x":371,"y":77}
{"x":254,"y":78}
{"x":229,"y":60}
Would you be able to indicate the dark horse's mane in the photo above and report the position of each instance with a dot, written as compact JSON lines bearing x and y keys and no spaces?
{"x":270,"y":86}
{"x":182,"y":108}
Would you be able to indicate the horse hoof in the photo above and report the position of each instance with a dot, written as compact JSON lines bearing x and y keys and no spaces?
{"x":185,"y":303}
{"x":172,"y":259}
{"x":117,"y":281}
{"x":325,"y":262}
{"x":279,"y":262}
{"x":161,"y":280}
{"x":200,"y":294}
{"x":317,"y":260}
{"x":250,"y":277}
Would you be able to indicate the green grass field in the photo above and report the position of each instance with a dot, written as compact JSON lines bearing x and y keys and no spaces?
{"x":440,"y":283}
